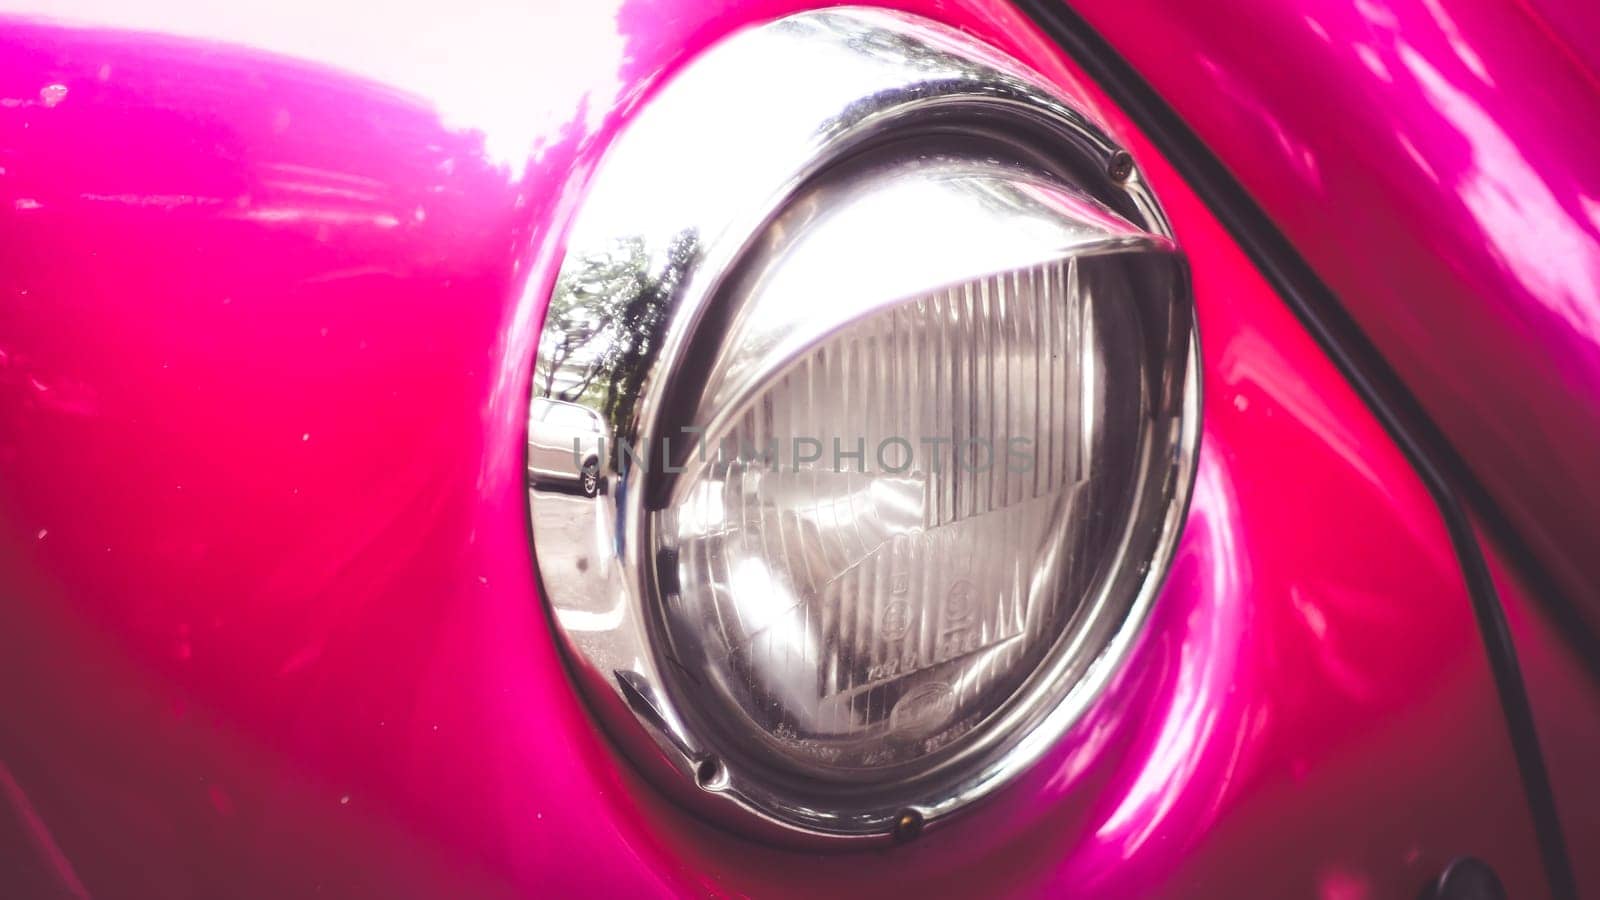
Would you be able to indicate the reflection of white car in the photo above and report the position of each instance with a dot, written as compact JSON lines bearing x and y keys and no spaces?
{"x":555,"y":428}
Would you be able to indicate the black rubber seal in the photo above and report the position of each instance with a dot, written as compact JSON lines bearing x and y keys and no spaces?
{"x":1320,"y":312}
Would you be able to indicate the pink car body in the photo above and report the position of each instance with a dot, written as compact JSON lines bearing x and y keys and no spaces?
{"x":270,"y":283}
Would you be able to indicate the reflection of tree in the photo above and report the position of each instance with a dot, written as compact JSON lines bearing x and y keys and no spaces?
{"x":583,"y":316}
{"x":639,"y":322}
{"x":899,"y":50}
{"x":605,"y":322}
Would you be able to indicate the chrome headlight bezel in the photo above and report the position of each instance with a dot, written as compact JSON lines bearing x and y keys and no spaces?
{"x":688,"y":187}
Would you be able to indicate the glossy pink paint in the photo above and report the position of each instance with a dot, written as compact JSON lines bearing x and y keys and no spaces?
{"x":270,"y":284}
{"x":1432,"y":160}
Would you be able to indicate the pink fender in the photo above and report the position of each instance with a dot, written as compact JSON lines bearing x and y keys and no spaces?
{"x":1432,"y":162}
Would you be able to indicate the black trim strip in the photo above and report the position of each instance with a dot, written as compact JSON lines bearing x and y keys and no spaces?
{"x":1319,"y":310}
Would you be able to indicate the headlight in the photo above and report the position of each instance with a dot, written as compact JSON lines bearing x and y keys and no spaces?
{"x":894,"y":372}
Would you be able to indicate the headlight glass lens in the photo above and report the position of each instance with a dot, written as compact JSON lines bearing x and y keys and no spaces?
{"x":891,"y":521}
{"x":879,"y":550}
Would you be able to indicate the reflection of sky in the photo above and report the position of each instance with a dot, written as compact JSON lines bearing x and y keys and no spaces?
{"x":476,"y":65}
{"x":1541,"y":244}
{"x":1550,"y":250}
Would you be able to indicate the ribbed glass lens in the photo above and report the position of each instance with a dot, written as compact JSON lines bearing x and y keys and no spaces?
{"x":875,"y":555}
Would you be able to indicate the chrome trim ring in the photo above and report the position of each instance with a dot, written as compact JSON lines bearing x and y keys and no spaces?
{"x":673,"y":216}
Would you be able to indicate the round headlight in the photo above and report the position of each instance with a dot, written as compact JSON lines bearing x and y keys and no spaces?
{"x":886,"y":403}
